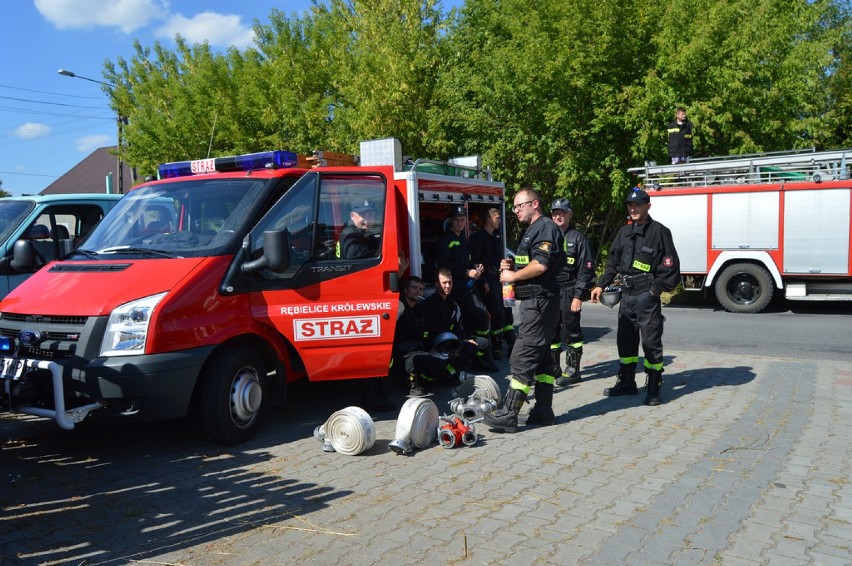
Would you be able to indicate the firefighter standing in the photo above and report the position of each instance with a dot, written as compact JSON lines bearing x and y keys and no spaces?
{"x":576,"y":276}
{"x":644,"y":257}
{"x":538,"y":260}
{"x":680,"y":138}
{"x":486,"y":248}
{"x":453,"y":253}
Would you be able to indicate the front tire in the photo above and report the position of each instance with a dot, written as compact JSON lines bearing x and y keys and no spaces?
{"x":744,"y":288}
{"x":234,"y":396}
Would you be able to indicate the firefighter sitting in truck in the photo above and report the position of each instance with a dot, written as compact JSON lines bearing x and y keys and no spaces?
{"x":357,"y":241}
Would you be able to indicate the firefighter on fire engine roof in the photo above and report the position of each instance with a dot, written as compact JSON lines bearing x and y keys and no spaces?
{"x":577,"y":275}
{"x":356,"y":240}
{"x":644,"y":258}
{"x":538,"y":260}
{"x":453,"y":253}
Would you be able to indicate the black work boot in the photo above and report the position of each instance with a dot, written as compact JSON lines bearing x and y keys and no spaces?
{"x":496,"y":346}
{"x":653,"y":386}
{"x":556,"y":361}
{"x":542,"y":412}
{"x":417,"y":387}
{"x":571,"y":375}
{"x":625,"y":383}
{"x":506,"y":417}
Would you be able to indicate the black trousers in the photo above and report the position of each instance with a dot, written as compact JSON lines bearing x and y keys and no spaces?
{"x":531,"y":354}
{"x":474,"y":315}
{"x":640,"y":315}
{"x":567,"y":329}
{"x":493,"y":301}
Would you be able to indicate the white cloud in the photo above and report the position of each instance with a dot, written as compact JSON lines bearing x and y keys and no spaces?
{"x":219,"y":30}
{"x":31,"y":130}
{"x":128,"y":15}
{"x":88,"y":144}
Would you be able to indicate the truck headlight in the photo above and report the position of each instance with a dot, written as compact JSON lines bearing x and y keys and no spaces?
{"x":127,"y":327}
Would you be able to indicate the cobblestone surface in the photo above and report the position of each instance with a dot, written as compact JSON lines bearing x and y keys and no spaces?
{"x":744,"y":463}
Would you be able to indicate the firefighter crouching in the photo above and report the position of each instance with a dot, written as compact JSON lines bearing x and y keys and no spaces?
{"x":643,"y":257}
{"x":538,"y":259}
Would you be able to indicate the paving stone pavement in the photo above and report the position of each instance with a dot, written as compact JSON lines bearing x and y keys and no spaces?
{"x":747,"y":461}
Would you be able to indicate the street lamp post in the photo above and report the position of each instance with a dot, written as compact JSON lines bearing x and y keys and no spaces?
{"x":119,"y":119}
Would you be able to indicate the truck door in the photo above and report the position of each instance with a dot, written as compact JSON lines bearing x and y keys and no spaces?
{"x":337,"y":302}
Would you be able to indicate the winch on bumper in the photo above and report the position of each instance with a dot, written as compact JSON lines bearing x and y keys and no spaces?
{"x":73,"y":385}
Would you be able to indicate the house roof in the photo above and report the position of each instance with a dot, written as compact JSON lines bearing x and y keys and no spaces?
{"x":89,"y":176}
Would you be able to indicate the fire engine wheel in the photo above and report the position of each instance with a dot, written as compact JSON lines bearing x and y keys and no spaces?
{"x":744,"y":288}
{"x":233,"y":397}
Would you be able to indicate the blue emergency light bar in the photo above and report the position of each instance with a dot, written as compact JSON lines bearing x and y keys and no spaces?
{"x":278,"y":159}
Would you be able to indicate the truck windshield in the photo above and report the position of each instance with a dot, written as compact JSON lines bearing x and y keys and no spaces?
{"x":189,"y":218}
{"x":12,"y":213}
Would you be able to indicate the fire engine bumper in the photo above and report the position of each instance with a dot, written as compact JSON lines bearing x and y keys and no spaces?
{"x":139,"y":388}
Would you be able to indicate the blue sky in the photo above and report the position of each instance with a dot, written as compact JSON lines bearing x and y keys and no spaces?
{"x":50,"y":122}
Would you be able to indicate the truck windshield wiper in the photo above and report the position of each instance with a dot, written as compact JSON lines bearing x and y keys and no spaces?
{"x":132,"y":250}
{"x":88,"y":253}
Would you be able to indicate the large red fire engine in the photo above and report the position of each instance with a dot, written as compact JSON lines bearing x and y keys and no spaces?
{"x":221,"y":282}
{"x":750,"y":224}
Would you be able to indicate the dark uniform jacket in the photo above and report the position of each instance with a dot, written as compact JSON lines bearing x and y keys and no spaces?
{"x":541,"y":241}
{"x":645,"y":248}
{"x":454,"y":254}
{"x":410,"y":328}
{"x":355,"y":243}
{"x":441,"y":315}
{"x":680,"y":139}
{"x":487,"y":249}
{"x":578,"y":272}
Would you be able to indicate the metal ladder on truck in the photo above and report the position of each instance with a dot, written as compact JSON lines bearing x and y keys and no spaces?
{"x":750,"y":169}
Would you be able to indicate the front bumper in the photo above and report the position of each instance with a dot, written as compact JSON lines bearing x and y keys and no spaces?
{"x":140,"y":388}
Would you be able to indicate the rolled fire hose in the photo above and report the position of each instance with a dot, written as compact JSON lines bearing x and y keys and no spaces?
{"x":416,"y":426}
{"x":349,"y":431}
{"x":485,"y":384}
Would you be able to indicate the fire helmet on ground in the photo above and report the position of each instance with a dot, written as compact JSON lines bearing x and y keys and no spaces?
{"x":611,"y":296}
{"x":445,"y":345}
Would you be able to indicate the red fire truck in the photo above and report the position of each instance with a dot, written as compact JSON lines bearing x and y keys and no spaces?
{"x":749,"y":225}
{"x":216,"y":285}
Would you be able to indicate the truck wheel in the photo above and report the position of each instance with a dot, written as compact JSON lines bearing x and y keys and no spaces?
{"x":744,"y":288}
{"x":233,"y":397}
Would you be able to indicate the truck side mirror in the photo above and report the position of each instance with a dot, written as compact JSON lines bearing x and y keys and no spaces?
{"x":276,"y":253}
{"x":24,"y":256}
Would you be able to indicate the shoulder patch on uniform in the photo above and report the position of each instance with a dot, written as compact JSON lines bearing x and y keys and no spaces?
{"x":544,"y":246}
{"x":667,"y":261}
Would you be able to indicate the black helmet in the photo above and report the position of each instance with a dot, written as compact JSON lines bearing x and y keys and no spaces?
{"x":561,"y":204}
{"x":445,"y":345}
{"x":611,"y":296}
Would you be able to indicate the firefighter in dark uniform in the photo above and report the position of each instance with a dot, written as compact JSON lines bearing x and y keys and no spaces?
{"x":486,"y":248}
{"x":441,"y":315}
{"x":644,"y":259}
{"x":539,"y":258}
{"x":356,"y":240}
{"x":453,"y":253}
{"x":577,"y":275}
{"x":680,"y":138}
{"x":410,"y":351}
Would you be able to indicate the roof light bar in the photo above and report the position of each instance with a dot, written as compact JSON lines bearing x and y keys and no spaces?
{"x":278,"y":159}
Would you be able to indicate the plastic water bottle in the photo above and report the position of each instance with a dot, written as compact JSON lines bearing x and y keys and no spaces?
{"x":508,"y":294}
